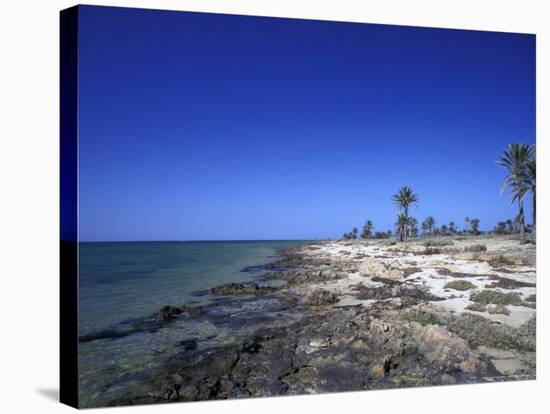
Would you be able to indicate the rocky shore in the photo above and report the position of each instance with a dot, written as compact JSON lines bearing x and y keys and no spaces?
{"x":357,"y":315}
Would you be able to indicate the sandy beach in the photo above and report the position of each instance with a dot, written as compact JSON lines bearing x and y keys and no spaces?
{"x":362,"y":314}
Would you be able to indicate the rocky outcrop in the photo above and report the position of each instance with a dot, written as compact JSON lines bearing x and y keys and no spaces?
{"x":249,"y":288}
{"x":169,"y":312}
{"x":340,"y":349}
{"x":303,"y":344}
{"x":373,"y":267}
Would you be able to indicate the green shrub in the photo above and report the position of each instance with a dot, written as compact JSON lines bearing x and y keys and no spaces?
{"x":459,"y":285}
{"x":495,"y":297}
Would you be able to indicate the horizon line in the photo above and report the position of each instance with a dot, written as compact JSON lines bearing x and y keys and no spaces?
{"x":195,"y":241}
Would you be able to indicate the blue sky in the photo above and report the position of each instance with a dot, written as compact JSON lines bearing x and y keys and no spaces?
{"x":204,"y":127}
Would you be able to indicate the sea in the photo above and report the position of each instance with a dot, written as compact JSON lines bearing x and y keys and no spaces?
{"x":123,"y":284}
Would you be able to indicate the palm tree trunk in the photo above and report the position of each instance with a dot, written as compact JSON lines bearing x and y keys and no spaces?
{"x":534,"y":235}
{"x":522,"y":222}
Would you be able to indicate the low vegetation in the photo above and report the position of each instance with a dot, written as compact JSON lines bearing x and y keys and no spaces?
{"x":429,"y":251}
{"x":501,"y":260}
{"x":476,"y":248}
{"x":438,"y":243}
{"x":411,"y":270}
{"x":495,"y":297}
{"x":459,"y":285}
{"x":478,"y":330}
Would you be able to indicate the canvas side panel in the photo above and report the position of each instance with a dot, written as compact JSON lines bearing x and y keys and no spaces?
{"x":69,"y":206}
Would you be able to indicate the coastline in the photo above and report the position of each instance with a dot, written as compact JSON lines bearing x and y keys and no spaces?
{"x":357,"y":315}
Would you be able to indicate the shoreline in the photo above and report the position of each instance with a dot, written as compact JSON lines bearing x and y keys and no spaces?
{"x":345,"y":316}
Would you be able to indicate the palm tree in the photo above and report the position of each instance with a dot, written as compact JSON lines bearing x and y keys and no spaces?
{"x":367,"y":230}
{"x":401,"y":226}
{"x":412,"y":227}
{"x":405,"y":198}
{"x":514,"y":160}
{"x":474,"y":224}
{"x":529,"y":184}
{"x":500,"y":228}
{"x":509,"y":226}
{"x":452,"y":227}
{"x":429,"y":224}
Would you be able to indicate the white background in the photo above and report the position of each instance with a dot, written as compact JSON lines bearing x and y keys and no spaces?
{"x":29,"y":204}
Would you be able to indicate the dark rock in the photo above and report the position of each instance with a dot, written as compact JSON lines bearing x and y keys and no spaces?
{"x":167,"y":313}
{"x":504,"y":283}
{"x":248,"y":288}
{"x":190,"y":311}
{"x":252,"y":347}
{"x":189,"y":344}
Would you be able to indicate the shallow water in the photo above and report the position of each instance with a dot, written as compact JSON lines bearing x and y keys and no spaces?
{"x":123,"y":284}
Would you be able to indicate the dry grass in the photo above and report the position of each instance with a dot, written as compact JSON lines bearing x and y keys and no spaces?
{"x":476,"y":248}
{"x":501,"y":260}
{"x":438,"y":243}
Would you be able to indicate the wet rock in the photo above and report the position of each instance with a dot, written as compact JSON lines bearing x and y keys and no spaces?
{"x":189,"y":344}
{"x":252,"y":347}
{"x":167,"y":313}
{"x":249,"y":288}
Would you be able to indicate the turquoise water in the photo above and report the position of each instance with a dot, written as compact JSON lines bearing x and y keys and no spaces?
{"x":122,"y":284}
{"x":126,"y":280}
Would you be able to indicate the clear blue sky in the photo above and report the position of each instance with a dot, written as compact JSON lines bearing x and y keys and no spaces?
{"x":200,"y":126}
